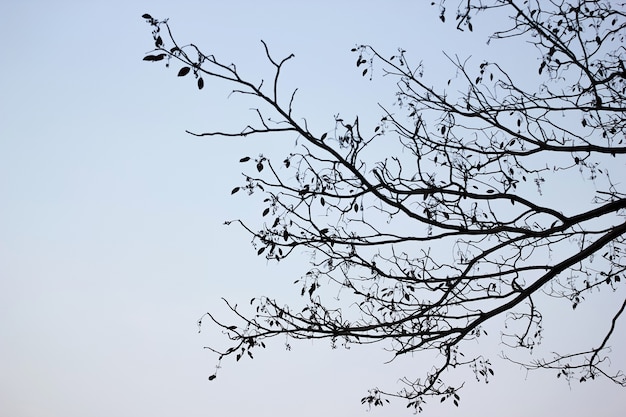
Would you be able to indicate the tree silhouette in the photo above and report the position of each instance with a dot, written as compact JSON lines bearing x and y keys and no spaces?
{"x":431,"y":222}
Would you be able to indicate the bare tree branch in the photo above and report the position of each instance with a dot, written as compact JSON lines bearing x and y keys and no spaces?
{"x":426,"y":230}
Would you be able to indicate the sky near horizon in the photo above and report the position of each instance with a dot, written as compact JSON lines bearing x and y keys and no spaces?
{"x":112,"y":243}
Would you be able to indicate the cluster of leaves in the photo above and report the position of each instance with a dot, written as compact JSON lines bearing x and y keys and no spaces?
{"x":463,"y":166}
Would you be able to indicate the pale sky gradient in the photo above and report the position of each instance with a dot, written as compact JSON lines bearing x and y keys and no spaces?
{"x":111,"y":235}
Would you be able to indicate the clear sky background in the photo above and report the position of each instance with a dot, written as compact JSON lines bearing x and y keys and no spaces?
{"x":111,"y":235}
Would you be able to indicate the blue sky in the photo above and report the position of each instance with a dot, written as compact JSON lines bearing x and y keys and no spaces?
{"x":111,"y":236}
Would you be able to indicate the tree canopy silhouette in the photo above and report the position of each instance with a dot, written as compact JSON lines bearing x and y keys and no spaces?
{"x":426,"y":225}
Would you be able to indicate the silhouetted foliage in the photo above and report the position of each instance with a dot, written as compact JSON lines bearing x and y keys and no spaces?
{"x":461,"y":167}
